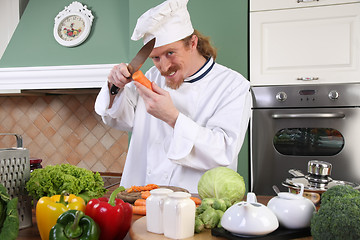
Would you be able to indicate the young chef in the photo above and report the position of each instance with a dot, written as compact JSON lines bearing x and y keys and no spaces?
{"x":196,"y":116}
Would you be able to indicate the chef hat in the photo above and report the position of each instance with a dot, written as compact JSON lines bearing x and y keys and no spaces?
{"x":168,"y":22}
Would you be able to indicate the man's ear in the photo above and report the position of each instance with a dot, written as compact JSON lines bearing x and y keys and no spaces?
{"x":194,"y":41}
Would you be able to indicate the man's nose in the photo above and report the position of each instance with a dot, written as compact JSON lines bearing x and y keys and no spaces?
{"x":164,"y":65}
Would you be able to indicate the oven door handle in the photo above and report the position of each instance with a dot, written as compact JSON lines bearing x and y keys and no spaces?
{"x":307,"y":115}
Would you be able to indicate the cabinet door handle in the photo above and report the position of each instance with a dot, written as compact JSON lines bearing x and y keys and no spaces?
{"x":307,"y":78}
{"x":299,"y":1}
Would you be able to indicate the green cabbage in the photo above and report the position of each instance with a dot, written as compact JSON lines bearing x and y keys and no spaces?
{"x":222,"y":182}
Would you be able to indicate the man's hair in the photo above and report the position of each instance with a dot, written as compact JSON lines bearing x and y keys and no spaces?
{"x":204,"y":45}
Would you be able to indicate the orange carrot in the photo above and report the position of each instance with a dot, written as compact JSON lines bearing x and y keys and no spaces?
{"x":142,"y":188}
{"x":139,"y":210}
{"x":140,"y":202}
{"x":140,"y":77}
{"x":145,"y":194}
{"x":196,"y":200}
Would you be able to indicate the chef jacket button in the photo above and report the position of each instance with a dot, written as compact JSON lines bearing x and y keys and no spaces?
{"x":149,"y":172}
{"x":166,"y":176}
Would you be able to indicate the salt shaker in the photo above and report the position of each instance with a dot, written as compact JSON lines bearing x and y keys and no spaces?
{"x":179,"y":215}
{"x":154,"y":210}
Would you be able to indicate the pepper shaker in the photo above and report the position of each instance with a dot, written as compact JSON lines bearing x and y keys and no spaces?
{"x":154,"y":210}
{"x":179,"y":216}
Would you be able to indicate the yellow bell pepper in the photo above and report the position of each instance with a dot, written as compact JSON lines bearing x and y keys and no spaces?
{"x":48,"y":210}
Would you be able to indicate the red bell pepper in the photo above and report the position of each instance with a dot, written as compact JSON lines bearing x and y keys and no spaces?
{"x":113,"y":215}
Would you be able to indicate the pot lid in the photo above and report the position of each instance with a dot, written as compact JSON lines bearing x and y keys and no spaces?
{"x":317,"y":180}
{"x":294,"y":183}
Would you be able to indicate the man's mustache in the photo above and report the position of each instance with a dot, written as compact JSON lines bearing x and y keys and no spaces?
{"x":169,"y":71}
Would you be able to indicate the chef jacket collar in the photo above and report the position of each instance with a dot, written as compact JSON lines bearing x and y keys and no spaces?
{"x":201,"y":72}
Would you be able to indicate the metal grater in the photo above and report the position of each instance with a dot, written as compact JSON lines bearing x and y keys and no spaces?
{"x":14,"y":173}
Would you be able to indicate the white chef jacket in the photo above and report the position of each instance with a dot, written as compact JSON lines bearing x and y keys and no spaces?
{"x":214,"y":106}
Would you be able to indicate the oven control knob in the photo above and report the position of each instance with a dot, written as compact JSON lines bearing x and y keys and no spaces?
{"x":281,"y":96}
{"x":333,"y":95}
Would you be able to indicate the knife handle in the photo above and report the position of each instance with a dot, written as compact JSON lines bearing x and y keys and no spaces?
{"x":114,"y":90}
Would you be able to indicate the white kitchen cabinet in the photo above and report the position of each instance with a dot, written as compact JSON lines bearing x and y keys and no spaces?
{"x":302,"y":44}
{"x":263,"y":5}
{"x":9,"y":18}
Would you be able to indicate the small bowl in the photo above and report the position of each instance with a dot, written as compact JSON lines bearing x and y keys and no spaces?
{"x":294,"y":211}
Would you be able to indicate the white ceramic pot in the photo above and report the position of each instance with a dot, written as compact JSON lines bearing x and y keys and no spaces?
{"x":179,"y":216}
{"x":249,"y":218}
{"x":154,"y":210}
{"x":292,"y":210}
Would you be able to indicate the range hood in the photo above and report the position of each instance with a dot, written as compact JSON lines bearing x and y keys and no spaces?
{"x":53,"y":79}
{"x":35,"y":63}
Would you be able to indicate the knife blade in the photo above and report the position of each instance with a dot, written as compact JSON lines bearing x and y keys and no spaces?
{"x":136,"y":63}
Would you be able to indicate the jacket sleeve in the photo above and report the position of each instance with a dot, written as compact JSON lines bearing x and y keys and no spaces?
{"x":218,"y":141}
{"x":121,"y":114}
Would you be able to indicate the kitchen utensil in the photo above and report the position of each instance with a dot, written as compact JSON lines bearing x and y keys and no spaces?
{"x":249,"y":218}
{"x":131,"y":197}
{"x":318,"y":179}
{"x":276,"y":189}
{"x":14,"y":173}
{"x":154,"y":210}
{"x":292,"y":210}
{"x":137,"y":62}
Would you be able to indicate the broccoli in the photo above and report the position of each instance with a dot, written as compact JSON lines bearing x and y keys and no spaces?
{"x":338,"y":216}
{"x":339,"y":191}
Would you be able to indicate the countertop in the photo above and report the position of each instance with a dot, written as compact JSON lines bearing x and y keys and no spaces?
{"x":32,"y":233}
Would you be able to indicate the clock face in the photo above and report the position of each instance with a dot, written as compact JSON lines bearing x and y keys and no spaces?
{"x":72,"y":25}
{"x":71,"y":28}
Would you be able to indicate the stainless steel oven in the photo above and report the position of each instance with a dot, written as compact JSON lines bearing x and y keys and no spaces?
{"x":294,"y":124}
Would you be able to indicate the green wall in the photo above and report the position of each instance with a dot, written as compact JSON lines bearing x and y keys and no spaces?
{"x":109,"y":42}
{"x":33,"y":43}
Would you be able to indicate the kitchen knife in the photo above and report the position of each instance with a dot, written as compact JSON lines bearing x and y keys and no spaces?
{"x":137,"y":62}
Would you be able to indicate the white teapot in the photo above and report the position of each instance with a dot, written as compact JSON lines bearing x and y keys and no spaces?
{"x":249,"y":218}
{"x":292,"y":210}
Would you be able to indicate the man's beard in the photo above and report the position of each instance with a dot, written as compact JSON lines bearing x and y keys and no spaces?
{"x":169,"y":83}
{"x":173,"y":85}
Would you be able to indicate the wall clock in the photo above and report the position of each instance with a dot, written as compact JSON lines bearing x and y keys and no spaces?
{"x":73,"y":24}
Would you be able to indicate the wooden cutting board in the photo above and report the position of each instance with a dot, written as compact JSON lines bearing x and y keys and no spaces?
{"x":132,"y":196}
{"x":138,"y":232}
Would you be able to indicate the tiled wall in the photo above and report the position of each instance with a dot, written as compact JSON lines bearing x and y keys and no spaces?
{"x":63,"y":129}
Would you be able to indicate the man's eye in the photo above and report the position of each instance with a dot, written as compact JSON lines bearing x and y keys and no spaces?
{"x":170,"y":53}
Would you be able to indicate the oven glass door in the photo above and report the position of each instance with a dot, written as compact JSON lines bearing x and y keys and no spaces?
{"x":284,"y":139}
{"x":308,"y":141}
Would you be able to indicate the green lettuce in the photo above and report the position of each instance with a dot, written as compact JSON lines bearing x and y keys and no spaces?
{"x":52,"y":180}
{"x":222,"y":182}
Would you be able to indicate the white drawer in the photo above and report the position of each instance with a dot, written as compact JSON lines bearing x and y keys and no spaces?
{"x":264,"y":5}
